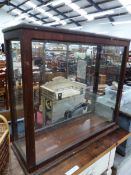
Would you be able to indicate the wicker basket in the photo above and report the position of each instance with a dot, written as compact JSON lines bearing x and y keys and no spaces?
{"x":4,"y":143}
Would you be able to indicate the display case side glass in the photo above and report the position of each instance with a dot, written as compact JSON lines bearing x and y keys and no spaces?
{"x":64,"y":64}
{"x":15,"y":84}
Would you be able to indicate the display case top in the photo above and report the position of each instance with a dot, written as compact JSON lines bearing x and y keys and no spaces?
{"x":59,"y":30}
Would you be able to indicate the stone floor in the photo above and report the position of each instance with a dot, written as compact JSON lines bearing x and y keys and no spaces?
{"x":13,"y":168}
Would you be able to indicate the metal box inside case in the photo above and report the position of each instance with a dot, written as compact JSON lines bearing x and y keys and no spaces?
{"x":60,"y":96}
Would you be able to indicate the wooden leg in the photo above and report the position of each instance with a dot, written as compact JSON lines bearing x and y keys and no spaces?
{"x":111,"y":161}
{"x":108,"y":172}
{"x":6,"y":101}
{"x":6,"y":98}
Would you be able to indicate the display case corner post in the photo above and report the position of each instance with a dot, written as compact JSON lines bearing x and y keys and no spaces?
{"x":26,"y":52}
{"x":120,"y":84}
{"x":97,"y":69}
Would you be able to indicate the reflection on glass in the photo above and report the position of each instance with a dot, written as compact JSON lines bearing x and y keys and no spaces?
{"x":63,"y":90}
{"x":80,"y":59}
{"x":55,"y":60}
{"x":63,"y":79}
{"x":109,"y":72}
{"x":18,"y":95}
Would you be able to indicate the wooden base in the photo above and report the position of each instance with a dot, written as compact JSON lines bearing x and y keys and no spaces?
{"x":90,"y":154}
{"x":53,"y":144}
{"x":85,"y":154}
{"x":63,"y":141}
{"x":55,"y":140}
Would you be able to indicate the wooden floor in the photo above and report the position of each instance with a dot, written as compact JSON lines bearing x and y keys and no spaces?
{"x":60,"y":138}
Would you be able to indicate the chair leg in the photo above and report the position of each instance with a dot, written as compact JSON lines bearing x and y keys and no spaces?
{"x":6,"y":101}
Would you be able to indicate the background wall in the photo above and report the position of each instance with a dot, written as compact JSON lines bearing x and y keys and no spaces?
{"x":5,"y":21}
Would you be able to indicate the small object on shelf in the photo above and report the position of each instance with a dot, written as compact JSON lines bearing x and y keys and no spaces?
{"x":114,"y":85}
{"x":63,"y":94}
{"x":102,"y":79}
{"x":101,"y":89}
{"x":59,"y":96}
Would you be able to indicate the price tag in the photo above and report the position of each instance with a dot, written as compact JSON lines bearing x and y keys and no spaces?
{"x":72,"y":170}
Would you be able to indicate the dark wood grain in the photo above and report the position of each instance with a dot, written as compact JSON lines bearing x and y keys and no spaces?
{"x":58,"y":139}
{"x":26,"y":52}
{"x":11,"y":89}
{"x":64,"y":35}
{"x":90,"y":154}
{"x":121,"y":81}
{"x":97,"y":69}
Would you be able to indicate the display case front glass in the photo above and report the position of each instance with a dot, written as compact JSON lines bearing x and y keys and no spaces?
{"x":17,"y":90}
{"x":65,"y":87}
{"x":63,"y":82}
{"x":109,"y":75}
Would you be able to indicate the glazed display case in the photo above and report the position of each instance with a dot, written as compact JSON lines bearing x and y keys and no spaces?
{"x":65,"y":89}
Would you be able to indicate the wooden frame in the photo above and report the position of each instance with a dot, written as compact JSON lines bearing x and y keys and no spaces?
{"x":25,"y":34}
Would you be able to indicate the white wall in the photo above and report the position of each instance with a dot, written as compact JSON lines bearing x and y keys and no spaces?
{"x":5,"y":20}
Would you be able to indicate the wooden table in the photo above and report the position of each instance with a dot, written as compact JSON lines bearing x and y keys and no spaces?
{"x":95,"y":159}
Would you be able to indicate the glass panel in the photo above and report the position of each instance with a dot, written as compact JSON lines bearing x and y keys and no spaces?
{"x":110,"y":65}
{"x":81,"y":59}
{"x":18,"y":96}
{"x":55,"y":60}
{"x":64,"y":98}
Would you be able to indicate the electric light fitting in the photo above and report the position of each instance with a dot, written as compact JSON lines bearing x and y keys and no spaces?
{"x":121,"y":22}
{"x":39,"y":22}
{"x":76,"y":28}
{"x":88,"y":17}
{"x":32,"y":19}
{"x":128,"y":8}
{"x":93,"y":15}
{"x":31,"y":4}
{"x":23,"y":15}
{"x":40,"y":10}
{"x":82,"y":12}
{"x":74,"y":6}
{"x":106,"y":12}
{"x":63,"y":22}
{"x":126,"y":4}
{"x":48,"y":14}
{"x":57,"y":2}
{"x":56,"y":18}
{"x":16,"y":11}
{"x":50,"y":24}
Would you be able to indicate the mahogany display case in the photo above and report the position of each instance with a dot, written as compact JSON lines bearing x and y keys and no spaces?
{"x":40,"y":61}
